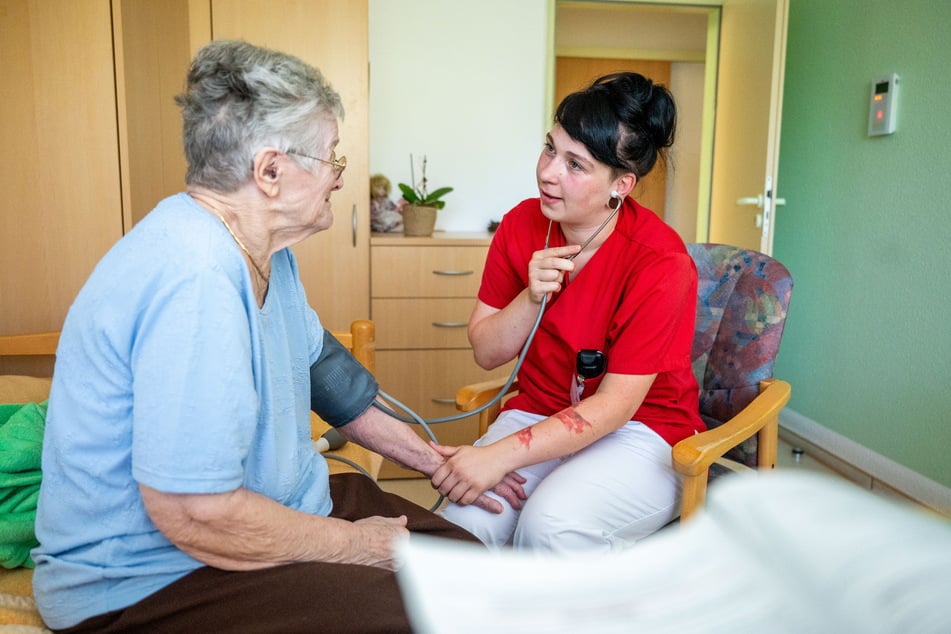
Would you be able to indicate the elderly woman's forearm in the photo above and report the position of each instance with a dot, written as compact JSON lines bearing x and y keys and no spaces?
{"x":394,"y":439}
{"x":241,"y":530}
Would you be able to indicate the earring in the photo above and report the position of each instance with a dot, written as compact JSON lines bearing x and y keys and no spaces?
{"x":616,"y":200}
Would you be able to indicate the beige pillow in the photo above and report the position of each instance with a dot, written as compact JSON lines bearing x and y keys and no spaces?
{"x":23,"y":389}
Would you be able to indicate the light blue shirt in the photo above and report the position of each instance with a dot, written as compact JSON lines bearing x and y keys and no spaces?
{"x":168,"y":374}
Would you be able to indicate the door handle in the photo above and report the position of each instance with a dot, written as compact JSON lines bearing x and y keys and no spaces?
{"x":450,"y":324}
{"x":751,"y":200}
{"x":758,"y":201}
{"x":353,"y":220}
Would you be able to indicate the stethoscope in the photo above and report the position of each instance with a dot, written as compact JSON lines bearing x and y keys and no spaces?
{"x":411,"y":417}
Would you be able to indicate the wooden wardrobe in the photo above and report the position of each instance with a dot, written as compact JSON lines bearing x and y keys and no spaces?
{"x":92,"y":137}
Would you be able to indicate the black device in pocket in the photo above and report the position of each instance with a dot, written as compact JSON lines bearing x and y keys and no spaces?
{"x":590,"y":363}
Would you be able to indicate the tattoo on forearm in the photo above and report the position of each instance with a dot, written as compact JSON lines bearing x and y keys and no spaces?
{"x":572,"y":420}
{"x":524,"y":437}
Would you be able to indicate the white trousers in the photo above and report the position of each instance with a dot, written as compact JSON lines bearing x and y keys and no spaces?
{"x":605,"y":497}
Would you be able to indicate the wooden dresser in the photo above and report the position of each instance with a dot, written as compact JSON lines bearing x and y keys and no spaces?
{"x":422,"y":291}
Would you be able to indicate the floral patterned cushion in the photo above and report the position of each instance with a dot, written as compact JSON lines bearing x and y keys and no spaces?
{"x":742,"y":301}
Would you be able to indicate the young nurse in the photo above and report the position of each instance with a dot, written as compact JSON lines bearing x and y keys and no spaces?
{"x":606,"y":387}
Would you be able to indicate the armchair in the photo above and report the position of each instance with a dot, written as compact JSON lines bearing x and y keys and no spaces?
{"x":742,"y":301}
{"x":16,"y":603}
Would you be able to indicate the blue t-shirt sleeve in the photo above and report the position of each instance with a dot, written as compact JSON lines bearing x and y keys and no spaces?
{"x":194,"y":395}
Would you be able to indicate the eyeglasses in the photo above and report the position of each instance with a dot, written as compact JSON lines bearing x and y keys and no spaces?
{"x":338,"y":164}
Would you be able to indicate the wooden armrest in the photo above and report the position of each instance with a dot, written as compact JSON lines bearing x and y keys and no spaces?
{"x":693,"y":456}
{"x":34,"y":344}
{"x":470,"y":397}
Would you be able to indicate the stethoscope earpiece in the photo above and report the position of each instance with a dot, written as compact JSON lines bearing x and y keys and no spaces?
{"x":615,"y":201}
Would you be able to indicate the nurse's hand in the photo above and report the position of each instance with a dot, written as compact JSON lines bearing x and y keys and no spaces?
{"x":466,"y":476}
{"x":546,"y":270}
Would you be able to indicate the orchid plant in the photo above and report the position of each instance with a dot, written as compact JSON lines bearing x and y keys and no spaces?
{"x":419,"y":193}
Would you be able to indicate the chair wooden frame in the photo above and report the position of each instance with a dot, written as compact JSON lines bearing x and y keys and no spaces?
{"x":693,"y":456}
{"x":360,"y":339}
{"x":40,"y":344}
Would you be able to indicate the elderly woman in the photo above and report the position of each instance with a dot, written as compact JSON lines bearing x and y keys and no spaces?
{"x":180,"y":488}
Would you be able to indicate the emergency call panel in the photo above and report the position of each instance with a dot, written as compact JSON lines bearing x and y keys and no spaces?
{"x":883,"y":104}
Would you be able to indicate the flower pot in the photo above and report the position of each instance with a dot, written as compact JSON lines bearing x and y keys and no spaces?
{"x":418,"y":220}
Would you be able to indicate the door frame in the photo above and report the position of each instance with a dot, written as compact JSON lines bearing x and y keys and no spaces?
{"x":711,"y":68}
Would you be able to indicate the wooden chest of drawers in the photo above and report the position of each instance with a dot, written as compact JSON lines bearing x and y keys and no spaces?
{"x":422,"y":291}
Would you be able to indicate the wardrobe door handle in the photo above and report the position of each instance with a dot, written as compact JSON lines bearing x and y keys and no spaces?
{"x":353,"y":220}
{"x":451,"y":272}
{"x":450,"y":324}
{"x":444,"y":401}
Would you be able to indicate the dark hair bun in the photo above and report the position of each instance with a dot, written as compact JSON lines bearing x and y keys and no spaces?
{"x":624,"y":119}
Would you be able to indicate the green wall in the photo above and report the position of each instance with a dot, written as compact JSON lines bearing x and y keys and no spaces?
{"x":866,"y":231}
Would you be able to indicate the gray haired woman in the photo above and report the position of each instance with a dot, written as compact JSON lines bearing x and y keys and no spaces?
{"x":180,"y":488}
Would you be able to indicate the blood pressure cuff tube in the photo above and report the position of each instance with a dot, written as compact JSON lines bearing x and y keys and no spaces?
{"x":340,"y":388}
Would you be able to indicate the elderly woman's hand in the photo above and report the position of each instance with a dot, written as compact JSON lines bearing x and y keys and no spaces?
{"x":374,"y":538}
{"x":470,"y":471}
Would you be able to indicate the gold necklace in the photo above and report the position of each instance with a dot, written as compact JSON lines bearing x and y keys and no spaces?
{"x":266,"y":278}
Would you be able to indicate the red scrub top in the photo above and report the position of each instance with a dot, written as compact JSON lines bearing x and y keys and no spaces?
{"x":635,"y":300}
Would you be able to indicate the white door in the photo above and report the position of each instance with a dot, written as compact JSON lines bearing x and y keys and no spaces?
{"x":738,"y":193}
{"x":743,"y":193}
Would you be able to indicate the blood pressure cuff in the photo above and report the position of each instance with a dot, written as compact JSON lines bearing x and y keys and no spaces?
{"x":340,"y":388}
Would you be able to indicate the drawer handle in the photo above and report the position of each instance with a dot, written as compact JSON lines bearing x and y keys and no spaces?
{"x":444,"y":401}
{"x":450,"y":324}
{"x":438,"y":272}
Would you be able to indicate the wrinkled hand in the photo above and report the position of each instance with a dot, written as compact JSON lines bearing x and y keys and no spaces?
{"x":468,"y":473}
{"x":509,"y":489}
{"x":374,"y":538}
{"x":546,"y":270}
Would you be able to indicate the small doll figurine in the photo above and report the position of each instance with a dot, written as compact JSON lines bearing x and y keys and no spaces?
{"x":385,"y":215}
